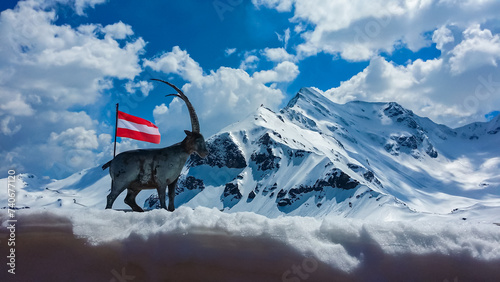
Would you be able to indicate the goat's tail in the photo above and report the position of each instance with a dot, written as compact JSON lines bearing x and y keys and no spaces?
{"x":106,"y":165}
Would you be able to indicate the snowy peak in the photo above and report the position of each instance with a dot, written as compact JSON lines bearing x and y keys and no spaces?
{"x":307,"y":95}
{"x":316,"y":157}
{"x":393,"y":109}
{"x":477,"y":129}
{"x":395,"y":128}
{"x":311,"y":102}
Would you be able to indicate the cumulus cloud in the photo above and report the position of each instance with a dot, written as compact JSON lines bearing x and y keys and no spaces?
{"x":14,"y":104}
{"x":177,"y":61}
{"x":160,"y":110}
{"x":479,"y":47}
{"x":6,"y":127}
{"x":277,"y":55}
{"x":118,"y":30}
{"x":79,"y":6}
{"x":283,"y":72}
{"x":66,"y":65}
{"x":79,"y":147}
{"x":144,"y":86}
{"x":442,"y":36}
{"x":78,"y":138}
{"x":250,"y":61}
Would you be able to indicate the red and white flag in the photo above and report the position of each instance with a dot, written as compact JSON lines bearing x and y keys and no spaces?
{"x":137,"y":128}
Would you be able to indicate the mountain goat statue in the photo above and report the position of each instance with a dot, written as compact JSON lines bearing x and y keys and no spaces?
{"x":140,"y":169}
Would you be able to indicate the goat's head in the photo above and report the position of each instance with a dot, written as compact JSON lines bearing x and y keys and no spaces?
{"x":195,"y":143}
{"x":194,"y":140}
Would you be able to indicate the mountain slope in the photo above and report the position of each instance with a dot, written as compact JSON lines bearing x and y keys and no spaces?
{"x":316,"y":157}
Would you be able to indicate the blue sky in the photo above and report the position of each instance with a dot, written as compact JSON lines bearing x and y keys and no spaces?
{"x":65,"y":63}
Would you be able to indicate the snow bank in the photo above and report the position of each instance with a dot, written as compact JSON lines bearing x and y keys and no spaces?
{"x":97,"y":244}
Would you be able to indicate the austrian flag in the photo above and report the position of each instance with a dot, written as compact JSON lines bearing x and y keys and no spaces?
{"x":137,"y":128}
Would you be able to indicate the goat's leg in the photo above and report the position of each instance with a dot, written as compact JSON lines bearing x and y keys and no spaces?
{"x":116,"y":189}
{"x":130,"y":200}
{"x":171,"y":195}
{"x":161,"y":195}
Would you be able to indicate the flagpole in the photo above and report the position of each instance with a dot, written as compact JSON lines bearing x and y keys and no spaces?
{"x":116,"y":129}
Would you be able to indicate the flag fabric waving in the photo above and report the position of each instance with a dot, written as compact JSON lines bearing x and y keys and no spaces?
{"x":137,"y":128}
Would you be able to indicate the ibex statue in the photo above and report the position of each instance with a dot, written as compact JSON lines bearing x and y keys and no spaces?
{"x":155,"y":168}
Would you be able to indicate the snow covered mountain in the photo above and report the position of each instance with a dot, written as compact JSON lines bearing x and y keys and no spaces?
{"x":315,"y":158}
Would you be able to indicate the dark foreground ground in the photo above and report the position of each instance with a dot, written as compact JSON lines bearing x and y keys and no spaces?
{"x":47,"y":250}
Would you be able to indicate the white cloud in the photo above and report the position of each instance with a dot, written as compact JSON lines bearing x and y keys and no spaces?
{"x":144,"y":86}
{"x":229,"y":51}
{"x":78,"y":5}
{"x":277,"y":55}
{"x":280,"y":5}
{"x":284,"y":38}
{"x":69,"y":66}
{"x":479,"y":47}
{"x":76,"y":138}
{"x":250,"y":61}
{"x":81,"y":5}
{"x":118,"y":30}
{"x":160,"y":110}
{"x":92,"y":53}
{"x":283,"y":72}
{"x":442,"y":36}
{"x":6,"y":128}
{"x":177,"y":61}
{"x":60,"y":146}
{"x":14,"y":104}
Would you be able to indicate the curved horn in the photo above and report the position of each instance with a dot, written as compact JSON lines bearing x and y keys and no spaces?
{"x":192,"y":113}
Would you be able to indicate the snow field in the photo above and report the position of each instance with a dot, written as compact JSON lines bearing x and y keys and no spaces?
{"x":330,"y":240}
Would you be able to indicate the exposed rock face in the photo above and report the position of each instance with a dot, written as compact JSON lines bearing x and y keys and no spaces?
{"x":338,"y":179}
{"x":188,"y":184}
{"x":152,"y":202}
{"x":191,"y":183}
{"x":335,"y":179}
{"x":251,"y":196}
{"x":223,"y":152}
{"x":410,"y":142}
{"x":394,"y":110}
{"x":231,"y":195}
{"x":264,"y":158}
